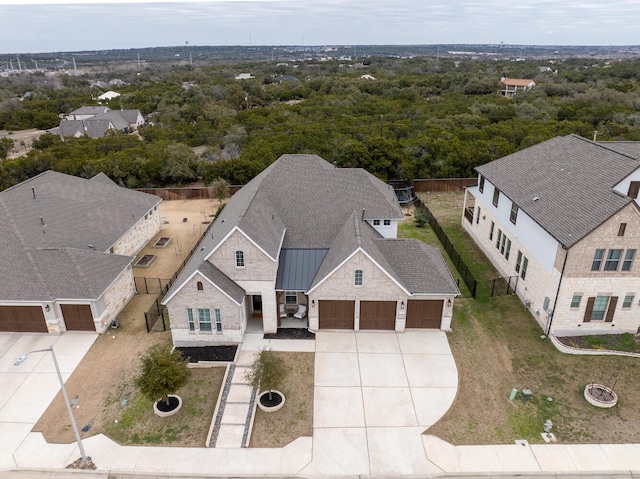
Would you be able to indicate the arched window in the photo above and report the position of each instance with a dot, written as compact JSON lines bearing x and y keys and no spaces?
{"x":358,"y":277}
{"x":239,"y":259}
{"x":200,"y":287}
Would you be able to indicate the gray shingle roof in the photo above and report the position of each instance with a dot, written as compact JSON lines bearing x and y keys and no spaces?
{"x":44,"y":241}
{"x":419,"y":266}
{"x":316,"y":207}
{"x":116,"y":119}
{"x":220,"y":279}
{"x":90,"y":110}
{"x":572,"y":178}
{"x":629,"y":148}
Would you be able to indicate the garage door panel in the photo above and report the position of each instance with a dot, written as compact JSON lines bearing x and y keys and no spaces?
{"x":378,"y":315}
{"x":78,"y":317}
{"x":424,"y":313}
{"x":24,"y":319}
{"x":336,"y":314}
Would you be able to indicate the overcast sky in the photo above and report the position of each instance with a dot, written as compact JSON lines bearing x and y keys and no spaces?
{"x":45,"y":26}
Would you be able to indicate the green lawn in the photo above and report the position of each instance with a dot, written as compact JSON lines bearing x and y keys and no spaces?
{"x":497,"y":346}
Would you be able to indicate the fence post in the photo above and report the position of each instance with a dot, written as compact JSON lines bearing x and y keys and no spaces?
{"x":493,"y":285}
{"x":146,"y":321}
{"x":146,"y":288}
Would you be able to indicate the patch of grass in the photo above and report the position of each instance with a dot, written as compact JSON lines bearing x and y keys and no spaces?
{"x":497,"y":346}
{"x":138,"y":425}
{"x":295,"y":419}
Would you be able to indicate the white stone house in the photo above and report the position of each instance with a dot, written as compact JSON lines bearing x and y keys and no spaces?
{"x":66,"y":248}
{"x":563,"y":217}
{"x":305,"y":238}
{"x":514,"y":85}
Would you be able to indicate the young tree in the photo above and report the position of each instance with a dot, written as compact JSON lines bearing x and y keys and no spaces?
{"x":267,"y":372}
{"x":163,"y":373}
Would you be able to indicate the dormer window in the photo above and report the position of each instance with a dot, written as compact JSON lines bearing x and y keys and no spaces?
{"x":514,"y":213}
{"x":239,"y":259}
{"x":481,"y":184}
{"x":496,"y":196}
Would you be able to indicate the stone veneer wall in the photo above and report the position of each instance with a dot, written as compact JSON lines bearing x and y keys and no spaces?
{"x":232,"y":315}
{"x":257,"y":265}
{"x":116,"y":298}
{"x":376,"y":286}
{"x":139,"y":234}
{"x":579,"y":279}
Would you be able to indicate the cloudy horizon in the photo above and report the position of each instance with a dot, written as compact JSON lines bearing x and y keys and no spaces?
{"x":30,"y":26}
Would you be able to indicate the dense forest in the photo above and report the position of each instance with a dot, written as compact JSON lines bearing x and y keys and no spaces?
{"x":419,"y":118}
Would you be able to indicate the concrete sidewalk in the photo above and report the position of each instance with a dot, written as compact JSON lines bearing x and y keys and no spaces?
{"x":375,"y":394}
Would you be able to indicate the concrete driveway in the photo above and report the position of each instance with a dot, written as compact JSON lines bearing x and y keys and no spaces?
{"x":28,"y":389}
{"x":375,"y":393}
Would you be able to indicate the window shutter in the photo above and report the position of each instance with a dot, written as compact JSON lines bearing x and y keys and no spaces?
{"x":612,"y":309}
{"x":587,"y":313}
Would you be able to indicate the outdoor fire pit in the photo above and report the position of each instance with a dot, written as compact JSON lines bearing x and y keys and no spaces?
{"x":600,"y":396}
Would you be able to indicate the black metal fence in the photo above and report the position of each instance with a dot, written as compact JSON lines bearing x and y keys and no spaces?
{"x":457,"y":260}
{"x":479,"y":289}
{"x":156,"y":312}
{"x":152,"y":285}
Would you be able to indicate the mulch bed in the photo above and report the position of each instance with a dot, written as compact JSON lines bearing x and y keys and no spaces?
{"x":164,"y":407}
{"x":209,"y":353}
{"x":608,"y":341}
{"x":291,"y":333}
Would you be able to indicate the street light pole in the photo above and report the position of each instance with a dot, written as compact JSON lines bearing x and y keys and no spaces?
{"x":22,"y":358}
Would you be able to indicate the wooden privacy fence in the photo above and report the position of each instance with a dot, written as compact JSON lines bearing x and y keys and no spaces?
{"x":208,"y":193}
{"x":189,"y":193}
{"x":442,"y":184}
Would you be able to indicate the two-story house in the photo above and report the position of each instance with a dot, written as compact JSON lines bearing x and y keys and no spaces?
{"x":514,"y":85}
{"x":319,"y":243}
{"x":563,"y":217}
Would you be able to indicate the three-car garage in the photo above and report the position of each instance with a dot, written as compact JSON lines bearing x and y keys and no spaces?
{"x":379,"y":315}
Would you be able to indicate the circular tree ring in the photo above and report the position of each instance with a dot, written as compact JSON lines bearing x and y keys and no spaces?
{"x":600,"y":396}
{"x":173,"y":411}
{"x":271,"y":408}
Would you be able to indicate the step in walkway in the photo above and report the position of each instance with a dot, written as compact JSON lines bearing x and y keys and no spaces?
{"x":236,"y":419}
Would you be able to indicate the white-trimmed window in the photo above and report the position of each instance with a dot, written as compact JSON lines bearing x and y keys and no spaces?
{"x":190,"y":321}
{"x":239,"y":259}
{"x":628,"y":259}
{"x":481,"y":184}
{"x":513,"y":217}
{"x":613,"y":260}
{"x":478,"y":217}
{"x":204,"y":320}
{"x":575,"y":300}
{"x":496,"y":196}
{"x":493,"y":225}
{"x":376,"y":222}
{"x":599,"y":308}
{"x":525,"y":264}
{"x":290,"y":297}
{"x":358,"y":277}
{"x":597,"y":260}
{"x":387,"y":222}
{"x":628,"y":301}
{"x":216,"y":313}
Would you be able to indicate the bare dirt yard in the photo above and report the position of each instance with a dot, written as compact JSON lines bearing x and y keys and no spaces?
{"x":22,"y":140}
{"x":103,"y":378}
{"x":497,"y":346}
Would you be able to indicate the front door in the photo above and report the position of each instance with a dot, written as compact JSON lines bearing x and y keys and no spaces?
{"x":256,"y":305}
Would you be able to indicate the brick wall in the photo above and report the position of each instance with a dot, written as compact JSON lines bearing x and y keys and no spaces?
{"x":139,"y":234}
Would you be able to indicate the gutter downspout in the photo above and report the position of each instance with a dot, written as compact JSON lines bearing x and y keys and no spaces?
{"x":555,"y":301}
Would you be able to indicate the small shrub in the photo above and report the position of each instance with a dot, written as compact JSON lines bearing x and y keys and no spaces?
{"x":596,"y":342}
{"x":163,"y":373}
{"x":421,"y":217}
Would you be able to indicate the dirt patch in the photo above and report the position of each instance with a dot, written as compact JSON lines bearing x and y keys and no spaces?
{"x":295,"y":419}
{"x":22,"y":140}
{"x":113,"y":360}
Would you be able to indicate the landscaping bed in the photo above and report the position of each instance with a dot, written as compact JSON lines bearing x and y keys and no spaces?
{"x":613,"y":342}
{"x":225,"y":353}
{"x":291,"y":333}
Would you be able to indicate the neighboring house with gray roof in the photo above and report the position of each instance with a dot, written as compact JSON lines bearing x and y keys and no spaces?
{"x":66,"y":247}
{"x":305,"y":237}
{"x":562,"y":219}
{"x":96,"y":121}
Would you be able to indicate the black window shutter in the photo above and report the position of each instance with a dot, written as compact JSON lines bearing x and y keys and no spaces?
{"x":612,"y":309}
{"x":587,"y":313}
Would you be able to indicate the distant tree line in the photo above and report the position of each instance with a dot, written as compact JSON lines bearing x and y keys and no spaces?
{"x":419,"y":118}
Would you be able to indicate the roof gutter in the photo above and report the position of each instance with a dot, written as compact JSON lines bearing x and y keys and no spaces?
{"x":547,"y":329}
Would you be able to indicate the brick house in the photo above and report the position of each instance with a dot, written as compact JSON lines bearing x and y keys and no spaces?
{"x":319,"y":243}
{"x":563,"y":217}
{"x":66,"y":247}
